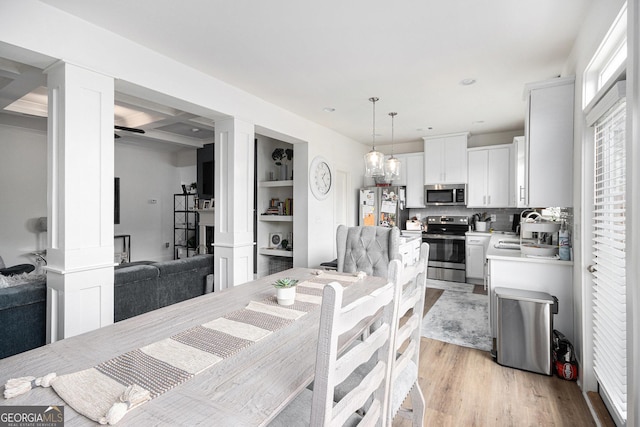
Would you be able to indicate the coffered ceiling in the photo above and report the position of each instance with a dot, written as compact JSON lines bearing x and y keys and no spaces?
{"x":323,"y":60}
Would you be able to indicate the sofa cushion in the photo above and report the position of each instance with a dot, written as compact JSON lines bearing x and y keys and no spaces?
{"x":134,"y":291}
{"x":182,"y":279}
{"x":23,"y":316}
{"x":23,"y":294}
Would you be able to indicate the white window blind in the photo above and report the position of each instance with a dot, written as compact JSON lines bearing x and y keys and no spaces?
{"x":609,"y":288}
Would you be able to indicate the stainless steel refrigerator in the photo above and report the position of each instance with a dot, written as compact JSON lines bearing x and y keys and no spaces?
{"x":383,"y":206}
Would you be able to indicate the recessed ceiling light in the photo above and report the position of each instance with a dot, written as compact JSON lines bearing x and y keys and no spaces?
{"x":328,"y":109}
{"x":467,"y":82}
{"x":195,"y":130}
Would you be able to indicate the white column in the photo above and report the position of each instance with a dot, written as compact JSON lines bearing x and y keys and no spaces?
{"x":233,"y":233}
{"x":79,"y":201}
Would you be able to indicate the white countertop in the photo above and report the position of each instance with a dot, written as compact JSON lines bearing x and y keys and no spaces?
{"x":515,"y":255}
{"x":407,"y":236}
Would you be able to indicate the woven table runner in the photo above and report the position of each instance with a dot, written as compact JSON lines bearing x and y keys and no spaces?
{"x":163,"y":365}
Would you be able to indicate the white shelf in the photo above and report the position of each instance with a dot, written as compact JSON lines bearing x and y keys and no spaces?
{"x":277,"y":218}
{"x":286,"y":183}
{"x":277,"y":252}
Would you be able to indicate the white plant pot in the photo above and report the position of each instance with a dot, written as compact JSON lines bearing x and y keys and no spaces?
{"x":286,"y":296}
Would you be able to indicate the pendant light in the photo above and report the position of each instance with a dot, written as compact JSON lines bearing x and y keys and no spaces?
{"x":392,"y":164}
{"x":374,"y":160}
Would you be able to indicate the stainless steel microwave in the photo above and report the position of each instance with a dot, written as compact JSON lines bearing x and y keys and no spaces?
{"x":445,"y":195}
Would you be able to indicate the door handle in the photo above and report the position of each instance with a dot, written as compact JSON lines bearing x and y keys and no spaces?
{"x":591,"y":268}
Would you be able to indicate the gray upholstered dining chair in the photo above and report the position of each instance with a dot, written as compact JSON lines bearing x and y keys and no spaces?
{"x":368,"y":249}
{"x":317,"y":407}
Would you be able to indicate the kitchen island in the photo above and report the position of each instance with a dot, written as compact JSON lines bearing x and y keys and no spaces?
{"x":509,"y":268}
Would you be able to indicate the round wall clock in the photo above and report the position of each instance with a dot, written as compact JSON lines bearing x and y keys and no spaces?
{"x":320,"y":178}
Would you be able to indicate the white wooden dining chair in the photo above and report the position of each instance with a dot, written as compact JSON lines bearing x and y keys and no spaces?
{"x":318,"y":408}
{"x":404,"y":371}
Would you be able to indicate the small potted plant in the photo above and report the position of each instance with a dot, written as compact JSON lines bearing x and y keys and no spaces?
{"x":286,"y":290}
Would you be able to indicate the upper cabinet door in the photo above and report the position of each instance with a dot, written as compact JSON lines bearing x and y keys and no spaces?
{"x":445,"y":159}
{"x":455,"y":159}
{"x":490,"y":177}
{"x":434,"y":161}
{"x":499,"y":177}
{"x":549,"y":143}
{"x":477,"y":187}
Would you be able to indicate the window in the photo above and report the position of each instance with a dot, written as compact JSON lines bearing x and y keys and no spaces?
{"x":608,"y":59}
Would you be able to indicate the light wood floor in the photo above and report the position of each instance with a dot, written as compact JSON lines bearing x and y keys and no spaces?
{"x":465,"y":387}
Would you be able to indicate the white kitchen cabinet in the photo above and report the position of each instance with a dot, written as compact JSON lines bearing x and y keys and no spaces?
{"x":490,"y":173}
{"x":409,"y":250}
{"x":476,"y":248}
{"x":508,"y":268}
{"x":414,"y":163}
{"x":445,"y":159}
{"x":548,"y":145}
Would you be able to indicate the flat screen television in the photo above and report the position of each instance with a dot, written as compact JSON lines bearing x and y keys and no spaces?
{"x":206,"y":171}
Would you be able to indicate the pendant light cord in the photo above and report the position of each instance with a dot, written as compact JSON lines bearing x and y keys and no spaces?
{"x":393,"y":115}
{"x":373,"y":136}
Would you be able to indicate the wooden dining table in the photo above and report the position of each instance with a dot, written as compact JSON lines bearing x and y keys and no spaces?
{"x":248,"y":388}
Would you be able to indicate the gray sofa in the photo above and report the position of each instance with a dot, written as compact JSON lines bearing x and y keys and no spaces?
{"x":139,"y":287}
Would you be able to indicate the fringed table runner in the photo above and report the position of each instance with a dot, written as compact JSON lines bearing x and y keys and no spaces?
{"x":106,"y":392}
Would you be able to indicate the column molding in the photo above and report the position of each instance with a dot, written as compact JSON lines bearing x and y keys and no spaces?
{"x":234,"y":193}
{"x":80,"y":171}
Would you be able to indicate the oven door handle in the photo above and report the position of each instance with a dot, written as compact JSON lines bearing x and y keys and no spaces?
{"x":443,"y":237}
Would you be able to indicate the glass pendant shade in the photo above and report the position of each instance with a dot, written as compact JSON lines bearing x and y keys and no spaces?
{"x":374,"y":164}
{"x":392,"y":168}
{"x":374,"y":160}
{"x":392,"y":165}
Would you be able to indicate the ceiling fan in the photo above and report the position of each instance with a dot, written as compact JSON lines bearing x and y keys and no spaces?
{"x":134,"y":130}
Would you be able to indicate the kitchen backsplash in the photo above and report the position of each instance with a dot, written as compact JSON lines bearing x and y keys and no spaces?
{"x":504,"y":217}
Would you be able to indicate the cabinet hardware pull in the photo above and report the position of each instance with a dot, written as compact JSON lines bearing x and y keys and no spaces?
{"x":521,"y":193}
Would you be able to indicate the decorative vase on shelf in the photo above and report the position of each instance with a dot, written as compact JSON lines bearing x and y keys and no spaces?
{"x":283,"y":173}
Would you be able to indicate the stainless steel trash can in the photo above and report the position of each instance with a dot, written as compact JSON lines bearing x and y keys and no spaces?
{"x":525,"y":329}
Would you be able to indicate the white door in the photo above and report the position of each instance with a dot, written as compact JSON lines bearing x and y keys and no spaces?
{"x":608,"y":253}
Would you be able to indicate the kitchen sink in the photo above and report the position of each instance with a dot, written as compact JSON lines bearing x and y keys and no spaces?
{"x":508,"y":244}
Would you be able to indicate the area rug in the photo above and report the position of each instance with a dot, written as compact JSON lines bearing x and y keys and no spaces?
{"x":460,"y":318}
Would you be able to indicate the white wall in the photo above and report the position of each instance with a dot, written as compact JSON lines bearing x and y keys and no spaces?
{"x":25,"y":29}
{"x":147,"y":175}
{"x":23,"y":193}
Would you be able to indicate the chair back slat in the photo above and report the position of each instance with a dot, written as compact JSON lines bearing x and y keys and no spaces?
{"x":373,"y":415}
{"x":358,"y":396}
{"x":360,"y":354}
{"x":355,"y":312}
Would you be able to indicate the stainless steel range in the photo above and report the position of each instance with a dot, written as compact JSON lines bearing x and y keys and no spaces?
{"x":446,"y":238}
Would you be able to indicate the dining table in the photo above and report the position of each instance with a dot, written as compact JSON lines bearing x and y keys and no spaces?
{"x":248,"y":388}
